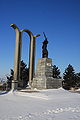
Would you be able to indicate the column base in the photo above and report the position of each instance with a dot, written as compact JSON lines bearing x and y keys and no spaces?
{"x":14,"y":85}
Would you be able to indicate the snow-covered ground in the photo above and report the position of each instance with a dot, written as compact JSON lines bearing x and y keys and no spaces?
{"x":42,"y":105}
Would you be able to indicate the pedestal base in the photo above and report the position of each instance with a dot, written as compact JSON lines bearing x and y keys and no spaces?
{"x":14,"y":85}
{"x":46,"y":83}
{"x":43,"y":78}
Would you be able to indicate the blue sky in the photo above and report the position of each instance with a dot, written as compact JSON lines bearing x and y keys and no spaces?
{"x":59,"y":19}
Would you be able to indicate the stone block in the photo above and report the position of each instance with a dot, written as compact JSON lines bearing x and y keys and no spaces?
{"x":43,"y":77}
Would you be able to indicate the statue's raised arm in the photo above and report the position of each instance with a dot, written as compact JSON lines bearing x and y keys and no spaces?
{"x":44,"y":36}
{"x":44,"y":47}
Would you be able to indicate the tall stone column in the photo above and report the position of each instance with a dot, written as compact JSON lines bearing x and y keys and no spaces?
{"x":17,"y":57}
{"x":32,"y":58}
{"x":34,"y":52}
{"x":31,"y":54}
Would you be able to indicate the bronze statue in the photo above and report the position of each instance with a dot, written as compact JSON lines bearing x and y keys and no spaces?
{"x":44,"y":47}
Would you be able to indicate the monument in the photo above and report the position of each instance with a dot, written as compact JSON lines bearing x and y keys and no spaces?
{"x":16,"y":81}
{"x":43,"y":77}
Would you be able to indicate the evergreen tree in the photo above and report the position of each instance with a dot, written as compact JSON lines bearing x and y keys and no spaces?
{"x":24,"y":74}
{"x":9,"y":80}
{"x":56,"y":72}
{"x":69,"y":77}
{"x":77,"y":79}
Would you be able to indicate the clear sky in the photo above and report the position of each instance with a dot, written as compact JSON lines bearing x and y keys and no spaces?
{"x":59,"y":19}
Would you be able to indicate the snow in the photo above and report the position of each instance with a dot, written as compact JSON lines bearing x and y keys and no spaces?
{"x":51,"y":104}
{"x":78,"y":89}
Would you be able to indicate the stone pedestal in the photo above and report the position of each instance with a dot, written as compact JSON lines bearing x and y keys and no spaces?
{"x":14,"y":84}
{"x":43,"y":77}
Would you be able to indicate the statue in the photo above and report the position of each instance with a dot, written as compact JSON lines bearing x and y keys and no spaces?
{"x":44,"y":47}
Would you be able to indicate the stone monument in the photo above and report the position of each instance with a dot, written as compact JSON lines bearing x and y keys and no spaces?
{"x":16,"y":81}
{"x":43,"y":77}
